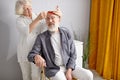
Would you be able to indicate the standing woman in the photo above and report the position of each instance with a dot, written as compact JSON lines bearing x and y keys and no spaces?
{"x":27,"y":25}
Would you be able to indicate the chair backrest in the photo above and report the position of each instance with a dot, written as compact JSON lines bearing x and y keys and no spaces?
{"x":79,"y":51}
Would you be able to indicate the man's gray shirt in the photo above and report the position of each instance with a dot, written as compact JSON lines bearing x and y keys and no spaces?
{"x":44,"y":48}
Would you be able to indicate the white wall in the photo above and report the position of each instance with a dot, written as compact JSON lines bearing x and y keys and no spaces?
{"x":75,"y":16}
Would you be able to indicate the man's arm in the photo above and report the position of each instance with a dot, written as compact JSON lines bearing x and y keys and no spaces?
{"x":72,"y":60}
{"x":35,"y":50}
{"x":34,"y":55}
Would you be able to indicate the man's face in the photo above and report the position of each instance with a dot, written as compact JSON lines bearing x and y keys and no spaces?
{"x":52,"y":21}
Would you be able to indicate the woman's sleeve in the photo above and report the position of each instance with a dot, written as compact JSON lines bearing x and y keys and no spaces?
{"x":22,"y":27}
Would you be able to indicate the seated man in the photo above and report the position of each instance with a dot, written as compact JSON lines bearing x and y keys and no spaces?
{"x":54,"y":49}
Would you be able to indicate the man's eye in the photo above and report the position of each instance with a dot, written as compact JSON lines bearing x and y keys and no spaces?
{"x":53,"y":18}
{"x":48,"y":18}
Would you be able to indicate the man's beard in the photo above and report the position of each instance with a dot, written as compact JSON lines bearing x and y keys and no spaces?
{"x":53,"y":28}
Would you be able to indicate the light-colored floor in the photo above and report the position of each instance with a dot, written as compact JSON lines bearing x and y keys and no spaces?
{"x":96,"y":76}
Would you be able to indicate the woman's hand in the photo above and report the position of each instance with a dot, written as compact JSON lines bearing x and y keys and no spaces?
{"x":42,"y":15}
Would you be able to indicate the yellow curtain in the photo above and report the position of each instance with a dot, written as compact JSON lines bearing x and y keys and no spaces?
{"x":105,"y":38}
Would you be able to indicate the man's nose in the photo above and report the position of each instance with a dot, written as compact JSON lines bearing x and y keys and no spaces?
{"x":50,"y":20}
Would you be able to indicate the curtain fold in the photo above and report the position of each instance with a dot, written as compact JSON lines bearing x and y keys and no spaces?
{"x":105,"y":38}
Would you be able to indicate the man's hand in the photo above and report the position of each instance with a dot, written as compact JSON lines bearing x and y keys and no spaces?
{"x":39,"y":61}
{"x":69,"y":74}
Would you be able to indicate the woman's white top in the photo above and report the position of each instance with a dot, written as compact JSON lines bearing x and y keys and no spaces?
{"x":26,"y":39}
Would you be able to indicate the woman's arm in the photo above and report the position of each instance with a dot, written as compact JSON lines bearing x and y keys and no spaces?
{"x":35,"y":22}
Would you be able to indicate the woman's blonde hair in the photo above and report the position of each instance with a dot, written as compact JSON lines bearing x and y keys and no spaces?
{"x":19,"y":6}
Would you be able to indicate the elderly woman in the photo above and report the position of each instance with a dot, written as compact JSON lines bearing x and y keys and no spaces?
{"x":27,"y":25}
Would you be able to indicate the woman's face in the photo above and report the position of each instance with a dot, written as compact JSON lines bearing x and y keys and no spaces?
{"x":27,"y":10}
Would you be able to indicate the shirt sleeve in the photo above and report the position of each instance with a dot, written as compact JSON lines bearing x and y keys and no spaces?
{"x":35,"y":50}
{"x":72,"y":60}
{"x":22,"y":27}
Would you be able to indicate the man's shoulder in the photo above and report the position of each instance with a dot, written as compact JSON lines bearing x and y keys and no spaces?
{"x":43,"y":33}
{"x":64,"y":28}
{"x":66,"y":31}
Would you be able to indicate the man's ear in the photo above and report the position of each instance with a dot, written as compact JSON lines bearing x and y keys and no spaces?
{"x":59,"y":19}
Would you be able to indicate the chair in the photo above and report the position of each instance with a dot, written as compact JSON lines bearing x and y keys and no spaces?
{"x":79,"y":51}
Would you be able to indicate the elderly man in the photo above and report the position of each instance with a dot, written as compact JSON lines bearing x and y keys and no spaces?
{"x":55,"y":50}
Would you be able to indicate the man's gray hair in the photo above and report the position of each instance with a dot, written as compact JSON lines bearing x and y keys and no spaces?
{"x":19,"y":6}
